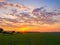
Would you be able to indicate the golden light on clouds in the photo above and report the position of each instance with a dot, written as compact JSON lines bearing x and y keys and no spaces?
{"x":41,"y":28}
{"x":2,"y":0}
{"x":23,"y":18}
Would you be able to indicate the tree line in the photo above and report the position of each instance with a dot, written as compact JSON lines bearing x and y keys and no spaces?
{"x":8,"y":32}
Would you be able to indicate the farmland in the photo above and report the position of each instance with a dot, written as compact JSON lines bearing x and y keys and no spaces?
{"x":30,"y":39}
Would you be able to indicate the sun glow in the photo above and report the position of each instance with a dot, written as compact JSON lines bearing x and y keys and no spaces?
{"x":30,"y":28}
{"x":23,"y":29}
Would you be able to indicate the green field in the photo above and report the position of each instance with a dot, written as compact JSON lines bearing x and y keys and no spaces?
{"x":30,"y":39}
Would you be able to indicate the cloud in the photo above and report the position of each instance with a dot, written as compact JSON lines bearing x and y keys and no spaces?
{"x":46,"y":17}
{"x":2,"y":0}
{"x":16,"y":15}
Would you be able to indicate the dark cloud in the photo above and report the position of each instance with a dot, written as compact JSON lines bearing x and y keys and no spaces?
{"x":44,"y":16}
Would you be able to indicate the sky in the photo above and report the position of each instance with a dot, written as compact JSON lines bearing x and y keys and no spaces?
{"x":30,"y":15}
{"x":38,"y":3}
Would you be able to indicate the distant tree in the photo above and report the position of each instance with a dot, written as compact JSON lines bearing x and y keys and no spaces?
{"x":1,"y":30}
{"x":5,"y":32}
{"x":12,"y":32}
{"x":8,"y":32}
{"x":17,"y":32}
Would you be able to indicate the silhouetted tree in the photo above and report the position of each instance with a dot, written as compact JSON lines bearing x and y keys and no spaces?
{"x":5,"y":32}
{"x":17,"y":32}
{"x":8,"y":32}
{"x":1,"y":30}
{"x":12,"y":32}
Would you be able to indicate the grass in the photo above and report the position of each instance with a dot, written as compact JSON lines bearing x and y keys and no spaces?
{"x":30,"y":39}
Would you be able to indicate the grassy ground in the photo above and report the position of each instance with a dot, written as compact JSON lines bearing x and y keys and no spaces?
{"x":30,"y":39}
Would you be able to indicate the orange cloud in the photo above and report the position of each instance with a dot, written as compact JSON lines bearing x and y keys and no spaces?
{"x":2,"y":0}
{"x":34,"y":21}
{"x":40,"y":28}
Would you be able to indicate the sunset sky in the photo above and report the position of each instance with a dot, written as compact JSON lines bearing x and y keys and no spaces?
{"x":30,"y":15}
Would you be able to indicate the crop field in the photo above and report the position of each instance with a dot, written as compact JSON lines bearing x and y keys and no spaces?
{"x":30,"y":39}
